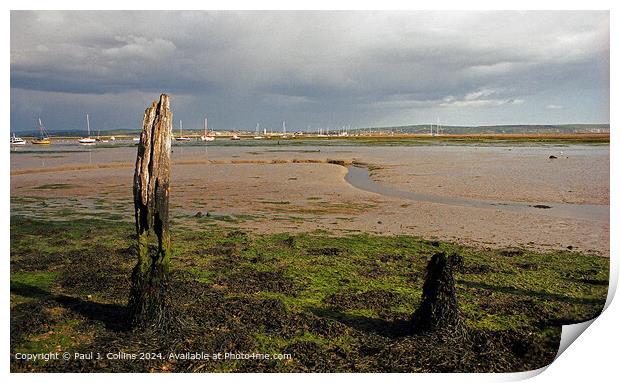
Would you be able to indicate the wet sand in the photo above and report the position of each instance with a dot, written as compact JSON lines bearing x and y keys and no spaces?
{"x":293,"y":188}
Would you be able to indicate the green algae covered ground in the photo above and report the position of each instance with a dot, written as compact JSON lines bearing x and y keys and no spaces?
{"x":314,"y":302}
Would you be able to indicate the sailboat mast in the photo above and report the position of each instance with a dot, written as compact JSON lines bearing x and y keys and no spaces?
{"x":181,"y":127}
{"x":41,"y":128}
{"x":88,"y":124}
{"x":206,"y":125}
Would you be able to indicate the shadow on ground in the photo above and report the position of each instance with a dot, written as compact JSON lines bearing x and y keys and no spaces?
{"x":112,"y":316}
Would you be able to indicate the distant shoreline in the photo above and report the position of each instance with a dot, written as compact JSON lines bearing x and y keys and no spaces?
{"x":404,"y":137}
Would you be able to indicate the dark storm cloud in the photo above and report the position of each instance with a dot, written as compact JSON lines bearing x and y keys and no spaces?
{"x":319,"y":68}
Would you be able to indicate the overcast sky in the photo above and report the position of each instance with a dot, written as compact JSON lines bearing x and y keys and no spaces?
{"x":318,"y":69}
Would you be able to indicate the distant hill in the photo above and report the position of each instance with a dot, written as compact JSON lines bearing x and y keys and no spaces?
{"x":497,"y":129}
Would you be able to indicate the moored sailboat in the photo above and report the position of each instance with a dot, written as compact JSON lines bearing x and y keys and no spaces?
{"x":16,"y":141}
{"x":206,"y":136}
{"x":43,"y":136}
{"x":99,"y":139}
{"x":181,"y":138}
{"x":258,"y":136}
{"x":87,"y":140}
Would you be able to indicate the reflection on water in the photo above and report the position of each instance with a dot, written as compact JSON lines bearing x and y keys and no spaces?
{"x":69,"y":153}
{"x":359,"y":177}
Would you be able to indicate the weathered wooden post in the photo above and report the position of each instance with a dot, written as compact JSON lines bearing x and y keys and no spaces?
{"x":151,"y":189}
{"x":439,"y":310}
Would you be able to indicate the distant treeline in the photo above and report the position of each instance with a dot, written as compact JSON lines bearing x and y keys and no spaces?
{"x":497,"y":129}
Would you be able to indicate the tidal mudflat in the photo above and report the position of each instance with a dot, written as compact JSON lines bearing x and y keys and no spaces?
{"x":284,"y":249}
{"x":470,"y":194}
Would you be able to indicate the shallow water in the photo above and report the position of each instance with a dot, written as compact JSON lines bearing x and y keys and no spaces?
{"x":359,"y":177}
{"x":67,"y":152}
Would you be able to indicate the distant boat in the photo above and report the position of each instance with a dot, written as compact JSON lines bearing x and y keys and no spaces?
{"x":257,"y":136}
{"x":206,"y":136}
{"x":235,"y":137}
{"x":17,"y":140}
{"x":99,"y":138}
{"x":43,"y":136}
{"x":87,"y":140}
{"x":181,"y":138}
{"x":284,"y":135}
